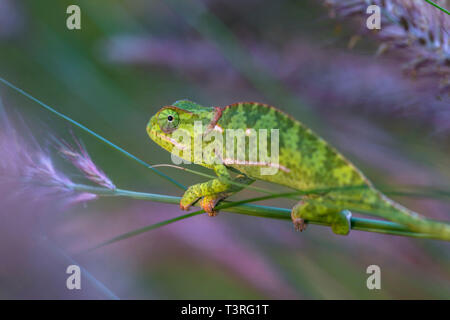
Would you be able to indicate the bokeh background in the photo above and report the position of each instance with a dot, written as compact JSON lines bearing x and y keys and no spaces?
{"x":132,"y":57}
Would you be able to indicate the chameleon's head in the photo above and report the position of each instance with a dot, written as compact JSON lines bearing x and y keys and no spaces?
{"x":173,"y":121}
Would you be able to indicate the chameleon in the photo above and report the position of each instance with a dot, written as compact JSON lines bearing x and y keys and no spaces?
{"x":305,"y":162}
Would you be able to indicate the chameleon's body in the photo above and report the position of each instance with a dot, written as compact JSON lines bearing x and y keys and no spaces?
{"x":306,"y":162}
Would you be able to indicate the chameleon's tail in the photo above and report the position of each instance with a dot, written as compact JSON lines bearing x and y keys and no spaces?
{"x":414,"y":221}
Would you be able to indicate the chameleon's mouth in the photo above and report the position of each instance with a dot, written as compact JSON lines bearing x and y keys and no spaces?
{"x":155,"y":134}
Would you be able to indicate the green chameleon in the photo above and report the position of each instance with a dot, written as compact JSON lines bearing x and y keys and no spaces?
{"x":305,"y":162}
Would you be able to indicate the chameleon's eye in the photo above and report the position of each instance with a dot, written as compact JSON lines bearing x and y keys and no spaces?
{"x":168,"y":120}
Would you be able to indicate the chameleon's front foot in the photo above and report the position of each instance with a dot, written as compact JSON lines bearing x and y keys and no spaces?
{"x":185,"y":207}
{"x":189,"y":198}
{"x":208,"y":202}
{"x":211,"y":192}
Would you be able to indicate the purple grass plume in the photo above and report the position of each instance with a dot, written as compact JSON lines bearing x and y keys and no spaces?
{"x":81,"y":160}
{"x":28,"y":171}
{"x":413,"y":27}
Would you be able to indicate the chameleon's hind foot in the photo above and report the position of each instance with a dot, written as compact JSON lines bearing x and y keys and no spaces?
{"x":342,"y":223}
{"x":318,"y":210}
{"x":299,"y":224}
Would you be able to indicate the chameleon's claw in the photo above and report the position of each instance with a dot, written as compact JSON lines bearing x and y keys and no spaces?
{"x":299,"y":224}
{"x":209,"y":210}
{"x":208,"y":204}
{"x":185,"y":207}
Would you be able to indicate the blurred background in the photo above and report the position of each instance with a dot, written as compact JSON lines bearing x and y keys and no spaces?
{"x":132,"y":57}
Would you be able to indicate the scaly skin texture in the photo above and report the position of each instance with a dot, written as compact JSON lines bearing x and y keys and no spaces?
{"x":306,"y":162}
